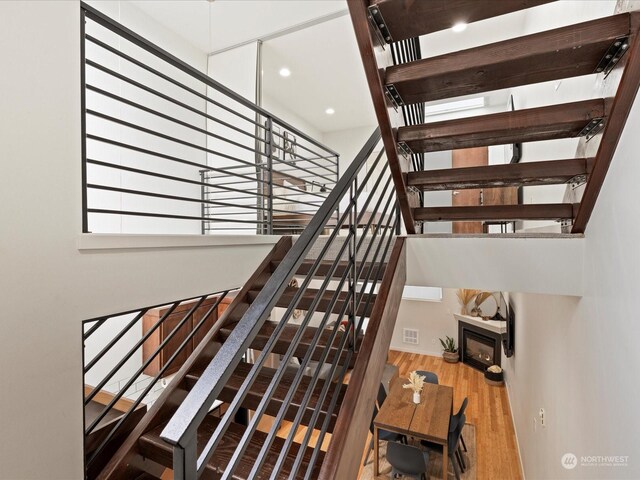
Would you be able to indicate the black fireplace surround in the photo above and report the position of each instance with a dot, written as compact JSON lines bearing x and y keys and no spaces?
{"x":479,"y":348}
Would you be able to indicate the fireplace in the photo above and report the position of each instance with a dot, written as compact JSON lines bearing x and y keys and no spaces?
{"x":479,"y":347}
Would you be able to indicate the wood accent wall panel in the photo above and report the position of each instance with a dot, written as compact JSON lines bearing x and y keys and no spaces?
{"x":468,"y":157}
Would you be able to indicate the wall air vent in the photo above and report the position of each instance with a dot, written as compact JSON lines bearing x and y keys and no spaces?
{"x":409,"y":335}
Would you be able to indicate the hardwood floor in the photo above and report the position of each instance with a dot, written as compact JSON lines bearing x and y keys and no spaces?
{"x":488,"y":410}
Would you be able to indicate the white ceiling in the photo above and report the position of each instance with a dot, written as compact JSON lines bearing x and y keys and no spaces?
{"x":324,"y":59}
{"x":326,"y":71}
{"x":212,"y":26}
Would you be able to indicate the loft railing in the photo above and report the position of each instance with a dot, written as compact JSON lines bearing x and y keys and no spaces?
{"x":360,"y":246}
{"x":126,"y":355}
{"x":167,"y":149}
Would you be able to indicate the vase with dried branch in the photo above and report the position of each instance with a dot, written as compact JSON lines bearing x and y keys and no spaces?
{"x":465,"y":295}
{"x":416,"y":383}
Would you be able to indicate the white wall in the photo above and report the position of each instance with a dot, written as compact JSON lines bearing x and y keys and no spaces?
{"x":432,"y":319}
{"x":48,"y":286}
{"x":133,"y":18}
{"x":234,"y":69}
{"x":348,"y":143}
{"x":576,"y":357}
{"x":523,"y":264}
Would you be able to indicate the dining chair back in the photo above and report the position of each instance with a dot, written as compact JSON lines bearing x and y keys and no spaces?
{"x":430,"y":377}
{"x":382,"y":395}
{"x":454,"y":436}
{"x":407,"y":461}
{"x":455,"y":419}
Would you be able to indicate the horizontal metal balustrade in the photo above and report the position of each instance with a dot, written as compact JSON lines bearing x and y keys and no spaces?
{"x":167,"y":149}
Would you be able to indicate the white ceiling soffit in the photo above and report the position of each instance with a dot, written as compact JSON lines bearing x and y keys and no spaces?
{"x":326,"y":72}
{"x":214,"y":26}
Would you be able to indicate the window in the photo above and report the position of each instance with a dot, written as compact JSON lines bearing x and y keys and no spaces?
{"x":423,"y":294}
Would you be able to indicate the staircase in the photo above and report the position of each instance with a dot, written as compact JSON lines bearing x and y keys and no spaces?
{"x":282,"y":385}
{"x":294,"y":362}
{"x":598,"y":47}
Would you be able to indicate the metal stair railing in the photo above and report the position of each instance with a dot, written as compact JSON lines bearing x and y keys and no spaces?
{"x":360,"y":240}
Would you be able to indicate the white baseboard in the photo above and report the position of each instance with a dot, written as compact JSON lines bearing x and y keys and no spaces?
{"x":515,"y":430}
{"x":418,"y":350}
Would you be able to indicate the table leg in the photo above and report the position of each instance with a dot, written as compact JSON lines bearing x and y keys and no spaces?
{"x":445,"y":462}
{"x":376,"y":459}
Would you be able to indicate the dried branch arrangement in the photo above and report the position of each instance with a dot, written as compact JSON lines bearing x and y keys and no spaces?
{"x":416,"y":382}
{"x":465,"y":295}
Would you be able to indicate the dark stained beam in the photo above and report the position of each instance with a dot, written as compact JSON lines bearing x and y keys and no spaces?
{"x":412,"y":18}
{"x":508,"y":175}
{"x":560,"y":53}
{"x":533,"y":124}
{"x":546,"y":211}
{"x":622,"y":103}
{"x":359,"y":18}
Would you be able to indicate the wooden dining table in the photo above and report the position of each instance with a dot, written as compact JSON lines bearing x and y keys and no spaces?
{"x":428,"y":420}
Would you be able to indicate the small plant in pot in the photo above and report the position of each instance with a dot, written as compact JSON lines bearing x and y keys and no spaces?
{"x":450,"y":350}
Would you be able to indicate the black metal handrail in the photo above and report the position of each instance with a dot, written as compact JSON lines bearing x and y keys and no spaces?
{"x":102,"y":367}
{"x":362,"y":238}
{"x":165,"y":143}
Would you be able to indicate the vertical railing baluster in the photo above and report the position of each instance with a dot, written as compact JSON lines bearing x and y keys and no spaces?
{"x":185,"y":461}
{"x":353,"y":276}
{"x":202,"y":205}
{"x":269,"y":133}
{"x":83,"y":121}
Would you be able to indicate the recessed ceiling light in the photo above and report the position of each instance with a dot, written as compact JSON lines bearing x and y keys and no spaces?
{"x":329,"y":111}
{"x":285,"y":72}
{"x":459,"y":27}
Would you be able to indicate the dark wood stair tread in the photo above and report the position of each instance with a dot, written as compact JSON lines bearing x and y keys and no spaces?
{"x":407,"y":19}
{"x":325,"y":300}
{"x":508,"y":175}
{"x":259,"y":387}
{"x":533,"y":124}
{"x":283,"y":343}
{"x":325,"y":267}
{"x":153,"y":447}
{"x":546,"y":211}
{"x":555,"y":54}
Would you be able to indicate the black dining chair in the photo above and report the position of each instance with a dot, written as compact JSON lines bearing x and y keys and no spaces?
{"x":382,"y":395}
{"x":430,"y":377}
{"x":407,"y":461}
{"x":453,"y":446}
{"x":383,"y":435}
{"x":455,"y":419}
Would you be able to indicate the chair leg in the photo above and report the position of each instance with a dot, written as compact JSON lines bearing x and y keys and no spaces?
{"x":455,"y":467}
{"x":457,"y":455}
{"x":463,"y":467}
{"x":366,"y":460}
{"x":464,"y":445}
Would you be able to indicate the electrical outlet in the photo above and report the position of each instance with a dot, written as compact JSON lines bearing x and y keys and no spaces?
{"x":541,"y":415}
